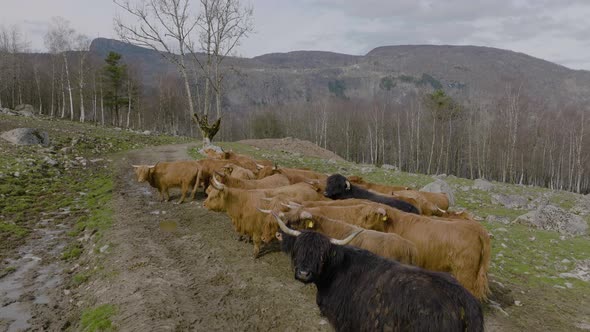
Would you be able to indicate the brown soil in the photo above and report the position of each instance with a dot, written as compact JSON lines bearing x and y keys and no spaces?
{"x":180,"y":267}
{"x":292,"y":145}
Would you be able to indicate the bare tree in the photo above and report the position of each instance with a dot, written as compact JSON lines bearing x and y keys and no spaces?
{"x":82,"y":45}
{"x":173,"y":28}
{"x":59,"y":40}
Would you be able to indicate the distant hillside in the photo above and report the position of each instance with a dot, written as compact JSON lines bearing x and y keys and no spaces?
{"x":283,"y":78}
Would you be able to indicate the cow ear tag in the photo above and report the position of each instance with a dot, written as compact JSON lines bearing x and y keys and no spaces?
{"x":384,"y":218}
{"x":310,"y":224}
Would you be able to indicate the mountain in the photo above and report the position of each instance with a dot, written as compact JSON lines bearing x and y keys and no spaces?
{"x":283,"y":78}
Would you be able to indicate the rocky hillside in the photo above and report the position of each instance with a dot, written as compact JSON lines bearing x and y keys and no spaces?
{"x":282,"y":78}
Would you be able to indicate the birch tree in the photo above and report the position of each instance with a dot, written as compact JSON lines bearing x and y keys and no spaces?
{"x":59,"y":40}
{"x":82,"y":45}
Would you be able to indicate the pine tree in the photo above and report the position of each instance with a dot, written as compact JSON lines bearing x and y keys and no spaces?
{"x":114,"y":76}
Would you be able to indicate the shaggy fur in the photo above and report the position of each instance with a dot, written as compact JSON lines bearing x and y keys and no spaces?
{"x":336,"y":188}
{"x":388,"y":245}
{"x":166,"y":175}
{"x":360,"y":291}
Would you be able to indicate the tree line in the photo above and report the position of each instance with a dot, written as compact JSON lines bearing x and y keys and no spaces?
{"x":510,"y":137}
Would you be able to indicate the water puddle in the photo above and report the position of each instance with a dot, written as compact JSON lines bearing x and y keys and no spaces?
{"x":32,"y":280}
{"x":18,"y":314}
{"x":168,"y":225}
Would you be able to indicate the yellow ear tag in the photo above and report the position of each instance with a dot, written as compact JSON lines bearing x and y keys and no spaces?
{"x":384,"y":218}
{"x":310,"y":224}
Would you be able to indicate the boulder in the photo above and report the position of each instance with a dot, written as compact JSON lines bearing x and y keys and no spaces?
{"x":483,"y":184}
{"x":510,"y":201}
{"x":210,"y":147}
{"x":7,"y":111}
{"x":25,"y":110}
{"x":440,"y":186}
{"x":26,"y":136}
{"x":552,"y":218}
{"x":389,"y":167}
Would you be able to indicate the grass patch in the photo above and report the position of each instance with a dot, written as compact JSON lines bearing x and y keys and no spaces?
{"x":79,"y":279}
{"x":72,"y":251}
{"x":6,"y":271}
{"x":98,"y":318}
{"x":11,"y":229}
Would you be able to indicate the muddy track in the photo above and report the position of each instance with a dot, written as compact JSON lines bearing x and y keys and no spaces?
{"x":181,"y":267}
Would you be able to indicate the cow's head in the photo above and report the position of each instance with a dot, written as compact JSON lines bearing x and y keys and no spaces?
{"x":216,"y":196}
{"x":336,"y":186}
{"x":312,"y":253}
{"x":143,"y":172}
{"x":373,"y":217}
{"x":267,"y":171}
{"x":228,"y":169}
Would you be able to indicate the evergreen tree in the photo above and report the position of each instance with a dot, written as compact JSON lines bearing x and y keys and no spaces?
{"x":114,"y":77}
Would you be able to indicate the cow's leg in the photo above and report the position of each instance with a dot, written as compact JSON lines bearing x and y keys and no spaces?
{"x":162,"y":196}
{"x":196,"y":185}
{"x":167,"y":194}
{"x":184,"y":188}
{"x":257,"y":241}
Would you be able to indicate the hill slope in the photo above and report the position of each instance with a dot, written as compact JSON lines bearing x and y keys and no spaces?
{"x":282,"y":78}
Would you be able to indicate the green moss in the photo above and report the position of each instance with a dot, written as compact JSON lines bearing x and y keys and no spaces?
{"x":98,"y":318}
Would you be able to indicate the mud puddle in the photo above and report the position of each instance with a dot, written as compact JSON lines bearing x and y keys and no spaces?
{"x":37,"y":272}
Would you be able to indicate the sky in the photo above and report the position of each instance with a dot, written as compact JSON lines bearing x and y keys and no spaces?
{"x":554,"y":30}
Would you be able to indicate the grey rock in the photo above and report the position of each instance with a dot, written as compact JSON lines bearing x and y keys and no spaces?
{"x":25,"y":110}
{"x":510,"y":201}
{"x":50,"y":162}
{"x":389,"y":167}
{"x":8,"y":111}
{"x":367,"y":169}
{"x":440,"y":186}
{"x":26,"y":136}
{"x":482,"y":184}
{"x":552,"y":218}
{"x":210,"y":147}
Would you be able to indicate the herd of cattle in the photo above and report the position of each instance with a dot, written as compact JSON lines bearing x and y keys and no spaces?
{"x":382,"y":257}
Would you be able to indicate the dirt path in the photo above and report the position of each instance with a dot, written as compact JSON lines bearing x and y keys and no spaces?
{"x":181,"y":267}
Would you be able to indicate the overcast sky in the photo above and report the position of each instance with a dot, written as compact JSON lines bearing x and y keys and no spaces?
{"x":555,"y":30}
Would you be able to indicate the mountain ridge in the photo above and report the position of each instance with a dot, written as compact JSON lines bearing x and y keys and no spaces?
{"x":300,"y":76}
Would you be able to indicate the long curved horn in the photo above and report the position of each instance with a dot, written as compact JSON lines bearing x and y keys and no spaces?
{"x":347,"y":185}
{"x":284,"y":227}
{"x":136,"y":166}
{"x":258,"y":166}
{"x":291,"y":207}
{"x":265,"y":211}
{"x":216,"y":184}
{"x":441,"y":210}
{"x":295,"y":204}
{"x":347,"y":240}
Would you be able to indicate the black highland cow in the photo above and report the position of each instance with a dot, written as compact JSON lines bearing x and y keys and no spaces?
{"x":360,"y":291}
{"x":338,"y":187}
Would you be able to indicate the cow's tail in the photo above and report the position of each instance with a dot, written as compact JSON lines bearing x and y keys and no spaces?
{"x":481,"y":282}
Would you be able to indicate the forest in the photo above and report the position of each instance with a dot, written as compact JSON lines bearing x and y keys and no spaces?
{"x":513,"y":138}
